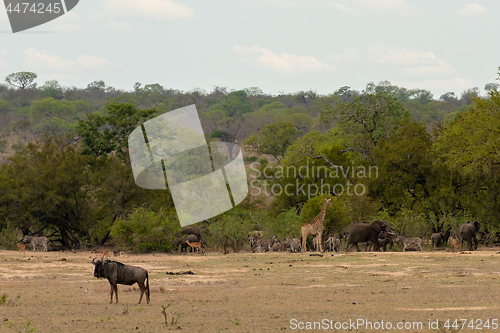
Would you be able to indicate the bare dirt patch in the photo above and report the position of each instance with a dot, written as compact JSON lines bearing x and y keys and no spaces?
{"x":244,"y":292}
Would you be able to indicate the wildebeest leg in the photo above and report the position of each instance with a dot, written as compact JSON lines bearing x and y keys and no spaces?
{"x":116,"y":292}
{"x":111,"y":293}
{"x":142,"y":288}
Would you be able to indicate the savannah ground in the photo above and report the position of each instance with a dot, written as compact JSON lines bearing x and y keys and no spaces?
{"x":245,"y":292}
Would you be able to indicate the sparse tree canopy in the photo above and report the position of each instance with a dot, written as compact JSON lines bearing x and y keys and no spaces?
{"x":21,"y":80}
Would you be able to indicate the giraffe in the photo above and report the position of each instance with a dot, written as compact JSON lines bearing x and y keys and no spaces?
{"x":315,"y":227}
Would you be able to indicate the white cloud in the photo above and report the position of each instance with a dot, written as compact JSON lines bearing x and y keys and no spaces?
{"x":349,"y":54}
{"x":399,"y":6}
{"x":385,"y":54}
{"x":408,"y":62}
{"x":284,"y":63}
{"x":67,"y":23}
{"x":442,"y":69}
{"x":281,"y":3}
{"x":67,"y":27}
{"x":381,"y":53}
{"x":149,"y":9}
{"x":44,"y":61}
{"x":472,"y":10}
{"x":452,"y":84}
{"x":342,"y":8}
{"x":120,"y":26}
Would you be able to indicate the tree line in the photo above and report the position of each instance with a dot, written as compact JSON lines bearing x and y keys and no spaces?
{"x":70,"y":177}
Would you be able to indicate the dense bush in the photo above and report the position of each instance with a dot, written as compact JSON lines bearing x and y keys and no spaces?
{"x":9,"y":237}
{"x":145,"y":231}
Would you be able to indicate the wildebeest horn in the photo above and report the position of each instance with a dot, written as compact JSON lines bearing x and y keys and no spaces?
{"x":93,"y":260}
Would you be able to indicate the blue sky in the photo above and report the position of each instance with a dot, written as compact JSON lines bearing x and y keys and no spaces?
{"x":276,"y":45}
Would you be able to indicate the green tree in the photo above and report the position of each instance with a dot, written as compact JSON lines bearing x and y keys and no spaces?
{"x":21,"y":80}
{"x":404,"y":167}
{"x":469,"y":148}
{"x":368,"y":119}
{"x":42,"y":193}
{"x":274,"y":139}
{"x":102,"y":135}
{"x":51,"y":89}
{"x":4,"y":106}
{"x":237,"y":103}
{"x":52,"y":116}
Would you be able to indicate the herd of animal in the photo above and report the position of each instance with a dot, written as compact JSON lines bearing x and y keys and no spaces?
{"x":377,"y":235}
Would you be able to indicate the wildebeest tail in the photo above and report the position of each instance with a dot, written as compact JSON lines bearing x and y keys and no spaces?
{"x":147,"y":285}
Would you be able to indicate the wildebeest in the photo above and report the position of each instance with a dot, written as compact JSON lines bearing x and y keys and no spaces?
{"x":118,"y":273}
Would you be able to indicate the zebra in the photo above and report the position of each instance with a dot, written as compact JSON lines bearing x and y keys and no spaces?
{"x":410,"y":242}
{"x":277,"y":247}
{"x":36,"y":241}
{"x":294,"y":244}
{"x":266,"y":245}
{"x":333,"y":244}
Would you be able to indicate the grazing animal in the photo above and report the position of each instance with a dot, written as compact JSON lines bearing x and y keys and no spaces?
{"x":409,"y":242}
{"x":118,"y":273}
{"x":21,"y":247}
{"x":294,"y":244}
{"x":468,"y":232}
{"x":363,"y":232}
{"x":382,"y":244}
{"x":277,"y":247}
{"x":105,"y":253}
{"x":252,"y":240}
{"x":194,"y":246}
{"x":36,"y":241}
{"x":191,"y":230}
{"x":181,"y":241}
{"x":315,"y":243}
{"x":455,"y":243}
{"x":332,"y":244}
{"x":265,"y":245}
{"x":315,"y":227}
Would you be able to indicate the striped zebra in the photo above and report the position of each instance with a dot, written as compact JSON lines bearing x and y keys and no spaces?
{"x":36,"y":241}
{"x":294,"y":244}
{"x":410,"y":242}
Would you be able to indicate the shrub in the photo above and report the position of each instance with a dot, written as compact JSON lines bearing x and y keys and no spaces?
{"x":9,"y":236}
{"x":228,"y":230}
{"x":3,"y":145}
{"x":251,"y":159}
{"x":145,"y":231}
{"x":263,"y":161}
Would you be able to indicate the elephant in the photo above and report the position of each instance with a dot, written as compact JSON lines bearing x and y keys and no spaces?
{"x":382,"y":244}
{"x":467,"y":232}
{"x":440,"y":238}
{"x":363,"y":232}
{"x":191,"y":229}
{"x":181,"y":241}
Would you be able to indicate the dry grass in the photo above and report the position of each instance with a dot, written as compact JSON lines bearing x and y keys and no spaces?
{"x":246,"y":292}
